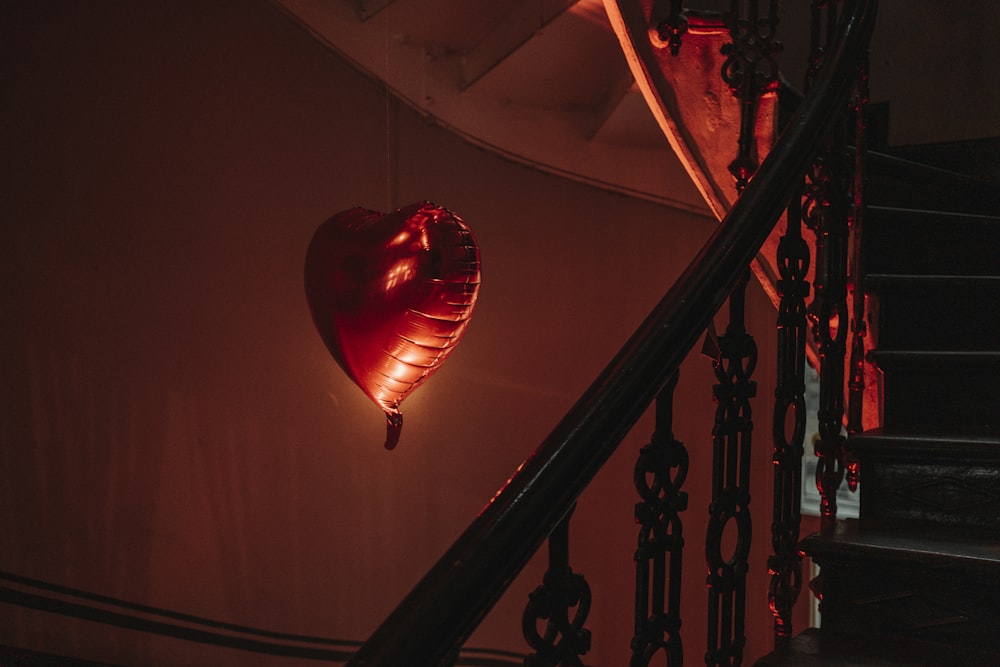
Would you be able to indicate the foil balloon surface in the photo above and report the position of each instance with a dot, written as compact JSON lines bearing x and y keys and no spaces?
{"x":391,"y":295}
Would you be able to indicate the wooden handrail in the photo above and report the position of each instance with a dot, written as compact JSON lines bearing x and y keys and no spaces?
{"x":445,"y":607}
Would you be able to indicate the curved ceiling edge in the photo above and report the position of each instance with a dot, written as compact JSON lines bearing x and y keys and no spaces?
{"x":579,"y":141}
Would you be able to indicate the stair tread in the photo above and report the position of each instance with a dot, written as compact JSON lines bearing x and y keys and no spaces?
{"x":908,"y":240}
{"x":935,"y":217}
{"x":914,"y":542}
{"x":894,"y":180}
{"x":921,"y":280}
{"x":820,"y":648}
{"x":975,"y":159}
{"x":926,"y":445}
{"x":954,"y":359}
{"x":935,"y":311}
{"x":941,"y":391}
{"x":881,"y":162}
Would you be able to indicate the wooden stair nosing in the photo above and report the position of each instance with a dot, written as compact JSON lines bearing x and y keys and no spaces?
{"x":937,"y":360}
{"x":896,"y":214}
{"x":891,"y":281}
{"x":878,"y":444}
{"x":915,"y":544}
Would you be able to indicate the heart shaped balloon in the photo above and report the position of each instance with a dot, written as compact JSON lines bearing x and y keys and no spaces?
{"x":391,"y":295}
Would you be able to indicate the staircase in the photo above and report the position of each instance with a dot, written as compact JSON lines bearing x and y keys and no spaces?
{"x":915,"y":580}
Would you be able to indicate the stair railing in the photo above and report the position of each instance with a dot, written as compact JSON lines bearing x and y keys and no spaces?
{"x":431,"y":623}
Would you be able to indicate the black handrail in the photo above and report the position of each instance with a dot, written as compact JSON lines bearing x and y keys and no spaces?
{"x":446,"y":606}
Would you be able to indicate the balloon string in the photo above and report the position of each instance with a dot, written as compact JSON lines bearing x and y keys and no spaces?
{"x":388,"y":131}
{"x":393,"y":427}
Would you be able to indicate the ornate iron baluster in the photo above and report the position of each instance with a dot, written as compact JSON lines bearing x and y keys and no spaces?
{"x":673,"y":28}
{"x":817,"y":40}
{"x":659,"y":474}
{"x":750,"y":68}
{"x":826,"y":216}
{"x":562,"y":591}
{"x":785,"y":565}
{"x":825,"y":211}
{"x":859,"y":327}
{"x":730,"y":487}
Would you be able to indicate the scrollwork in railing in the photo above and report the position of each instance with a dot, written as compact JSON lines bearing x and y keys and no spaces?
{"x":859,"y":327}
{"x":822,"y":33}
{"x":750,"y":68}
{"x":825,"y":215}
{"x":449,"y":602}
{"x":562,"y":604}
{"x":660,"y":472}
{"x":674,"y":27}
{"x":826,"y":210}
{"x":784,"y":565}
{"x":729,"y":509}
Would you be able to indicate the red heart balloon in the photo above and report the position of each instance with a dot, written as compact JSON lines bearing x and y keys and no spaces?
{"x":391,"y":295}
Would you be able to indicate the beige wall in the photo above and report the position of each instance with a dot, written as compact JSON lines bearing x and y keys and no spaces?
{"x":173,"y":431}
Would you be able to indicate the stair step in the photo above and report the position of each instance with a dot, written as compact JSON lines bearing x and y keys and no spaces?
{"x":925,"y":312}
{"x":958,"y":550}
{"x":910,"y":580}
{"x":976,"y":158}
{"x":821,"y":648}
{"x":895,"y":181}
{"x":937,"y":479}
{"x":906,"y":241}
{"x":938,"y":392}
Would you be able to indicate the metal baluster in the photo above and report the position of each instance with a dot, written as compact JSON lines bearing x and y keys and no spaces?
{"x":730,"y":487}
{"x":785,"y":565}
{"x":749,"y":70}
{"x":826,"y":206}
{"x":859,"y":327}
{"x":817,"y":39}
{"x":828,"y":312}
{"x":562,"y":591}
{"x":673,"y":28}
{"x":659,"y":475}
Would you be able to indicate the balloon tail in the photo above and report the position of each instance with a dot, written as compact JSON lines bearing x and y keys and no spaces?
{"x":393,"y":427}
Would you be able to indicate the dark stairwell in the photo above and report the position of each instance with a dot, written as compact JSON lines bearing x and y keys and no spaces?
{"x":915,"y":580}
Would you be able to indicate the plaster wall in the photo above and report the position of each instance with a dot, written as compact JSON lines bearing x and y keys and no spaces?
{"x":172,"y":430}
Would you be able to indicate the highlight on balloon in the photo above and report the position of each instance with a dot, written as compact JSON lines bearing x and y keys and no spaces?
{"x":391,"y":295}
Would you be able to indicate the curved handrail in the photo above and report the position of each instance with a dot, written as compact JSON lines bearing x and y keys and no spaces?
{"x":446,"y":606}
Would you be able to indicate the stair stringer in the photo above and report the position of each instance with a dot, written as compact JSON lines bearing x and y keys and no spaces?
{"x":695,"y":109}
